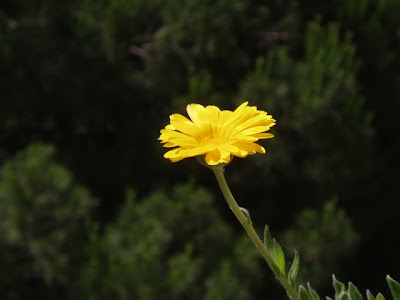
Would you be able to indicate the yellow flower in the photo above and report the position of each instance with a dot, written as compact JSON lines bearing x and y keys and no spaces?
{"x":216,"y":134}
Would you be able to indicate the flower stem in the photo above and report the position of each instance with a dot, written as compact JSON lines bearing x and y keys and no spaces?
{"x":219,"y":173}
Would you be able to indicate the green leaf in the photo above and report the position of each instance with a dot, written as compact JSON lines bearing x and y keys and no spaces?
{"x":394,"y":287}
{"x":279,"y":257}
{"x":303,"y":293}
{"x":294,"y":269}
{"x":314,"y":295}
{"x":354,"y":292}
{"x":343,"y":296}
{"x":337,"y":285}
{"x":329,"y":298}
{"x":370,"y":296}
{"x":380,"y":297}
{"x":268,"y":241}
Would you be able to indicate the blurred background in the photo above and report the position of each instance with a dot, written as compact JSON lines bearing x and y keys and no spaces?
{"x":89,"y":208}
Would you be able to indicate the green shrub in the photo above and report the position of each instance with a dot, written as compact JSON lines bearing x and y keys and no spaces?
{"x":42,"y":221}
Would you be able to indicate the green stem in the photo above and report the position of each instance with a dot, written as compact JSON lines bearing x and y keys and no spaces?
{"x":219,"y":173}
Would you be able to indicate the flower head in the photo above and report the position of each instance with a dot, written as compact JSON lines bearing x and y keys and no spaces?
{"x":216,"y":134}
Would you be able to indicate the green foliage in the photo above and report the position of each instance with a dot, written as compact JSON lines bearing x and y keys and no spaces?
{"x":195,"y":39}
{"x":276,"y":252}
{"x":337,"y":285}
{"x":341,"y":292}
{"x":279,"y":257}
{"x":380,"y":297}
{"x":268,"y":240}
{"x":294,"y":269}
{"x":352,"y":293}
{"x":108,"y":23}
{"x":358,"y":9}
{"x":42,"y":213}
{"x":312,"y":292}
{"x":394,"y":287}
{"x":145,"y":253}
{"x":222,"y":285}
{"x":304,"y":295}
{"x":323,"y":238}
{"x":370,"y":296}
{"x":318,"y":107}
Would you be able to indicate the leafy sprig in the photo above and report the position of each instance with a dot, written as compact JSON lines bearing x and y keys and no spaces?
{"x":342,"y":292}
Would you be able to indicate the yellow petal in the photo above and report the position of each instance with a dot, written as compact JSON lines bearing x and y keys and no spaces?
{"x":212,"y":158}
{"x":245,"y":114}
{"x":197,"y":151}
{"x":213,"y":116}
{"x":251,"y":148}
{"x":217,"y":156}
{"x":176,"y":136}
{"x":222,"y":122}
{"x":197,"y":114}
{"x":229,"y":148}
{"x":264,"y":135}
{"x":172,"y":153}
{"x":186,"y":126}
{"x":169,"y":145}
{"x":253,"y":130}
{"x":251,"y":122}
{"x":179,"y":117}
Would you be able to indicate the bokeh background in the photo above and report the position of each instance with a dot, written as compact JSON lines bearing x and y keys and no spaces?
{"x":89,"y":208}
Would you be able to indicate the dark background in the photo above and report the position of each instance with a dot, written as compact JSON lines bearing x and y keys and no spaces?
{"x":89,"y":208}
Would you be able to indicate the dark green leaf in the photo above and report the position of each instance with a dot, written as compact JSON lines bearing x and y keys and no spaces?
{"x":343,"y":296}
{"x":370,"y":296}
{"x":394,"y":287}
{"x":294,"y":269}
{"x":380,"y":297}
{"x":314,"y":295}
{"x":268,"y":241}
{"x":337,"y":285}
{"x":304,"y":294}
{"x":354,"y":292}
{"x":279,"y":257}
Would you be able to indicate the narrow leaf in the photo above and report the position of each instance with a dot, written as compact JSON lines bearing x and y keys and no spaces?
{"x":314,"y":295}
{"x":337,"y":285}
{"x":294,"y":269}
{"x":268,"y":241}
{"x":279,"y":257}
{"x":328,"y":298}
{"x":354,"y":292}
{"x":304,"y":294}
{"x":380,"y":297}
{"x":370,"y":296}
{"x":394,"y":287}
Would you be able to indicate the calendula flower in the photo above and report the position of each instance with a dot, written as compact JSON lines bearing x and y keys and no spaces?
{"x":217,"y":135}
